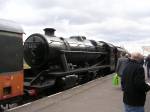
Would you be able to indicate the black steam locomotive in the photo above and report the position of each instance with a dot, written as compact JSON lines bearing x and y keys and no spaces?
{"x":55,"y":62}
{"x":66,"y":62}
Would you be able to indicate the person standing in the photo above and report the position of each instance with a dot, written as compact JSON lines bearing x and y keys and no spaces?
{"x":147,"y":62}
{"x":134,"y":85}
{"x":121,"y":64}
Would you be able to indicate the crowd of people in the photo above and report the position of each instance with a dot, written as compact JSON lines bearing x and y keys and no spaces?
{"x":131,"y":70}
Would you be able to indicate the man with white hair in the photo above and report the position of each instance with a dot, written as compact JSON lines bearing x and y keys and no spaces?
{"x":134,"y":85}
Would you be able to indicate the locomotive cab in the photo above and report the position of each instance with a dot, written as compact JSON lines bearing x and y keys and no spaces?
{"x":11,"y":62}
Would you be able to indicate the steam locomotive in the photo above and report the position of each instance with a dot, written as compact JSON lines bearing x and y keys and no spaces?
{"x":65,"y":62}
{"x":55,"y":62}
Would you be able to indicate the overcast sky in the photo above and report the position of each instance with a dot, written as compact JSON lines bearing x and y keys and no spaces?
{"x":124,"y":23}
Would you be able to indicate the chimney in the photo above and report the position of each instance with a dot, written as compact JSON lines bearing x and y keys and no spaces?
{"x":49,"y":32}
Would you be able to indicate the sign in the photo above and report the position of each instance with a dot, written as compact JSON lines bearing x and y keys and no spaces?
{"x":146,"y":48}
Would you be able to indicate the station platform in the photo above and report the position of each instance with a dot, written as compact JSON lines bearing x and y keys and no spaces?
{"x":96,"y":96}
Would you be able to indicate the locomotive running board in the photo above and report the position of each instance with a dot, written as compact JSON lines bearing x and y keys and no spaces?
{"x":61,"y":74}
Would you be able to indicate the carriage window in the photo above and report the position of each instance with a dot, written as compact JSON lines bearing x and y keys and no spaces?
{"x":11,"y":57}
{"x":7,"y":90}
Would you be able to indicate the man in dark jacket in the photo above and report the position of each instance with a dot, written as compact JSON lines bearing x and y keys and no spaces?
{"x":135,"y":88}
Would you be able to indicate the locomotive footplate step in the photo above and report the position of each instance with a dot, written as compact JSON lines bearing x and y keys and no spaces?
{"x":96,"y":96}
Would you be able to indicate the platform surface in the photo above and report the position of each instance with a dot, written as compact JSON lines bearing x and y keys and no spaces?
{"x":96,"y":96}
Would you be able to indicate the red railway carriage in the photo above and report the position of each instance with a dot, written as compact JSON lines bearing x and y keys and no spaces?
{"x":11,"y":61}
